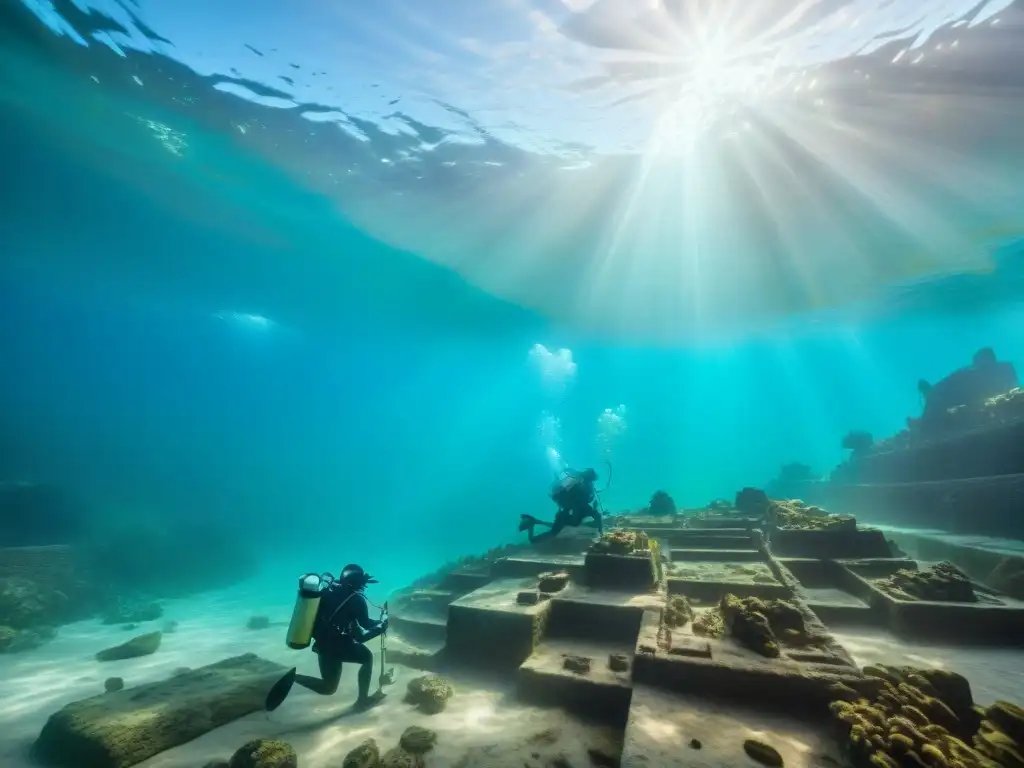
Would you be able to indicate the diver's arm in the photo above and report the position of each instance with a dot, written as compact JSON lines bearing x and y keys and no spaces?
{"x":367,"y":629}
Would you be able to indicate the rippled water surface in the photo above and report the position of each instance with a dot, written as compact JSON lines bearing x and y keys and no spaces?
{"x":655,"y":168}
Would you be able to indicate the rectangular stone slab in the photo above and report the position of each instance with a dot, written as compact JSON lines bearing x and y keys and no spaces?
{"x":1000,"y":624}
{"x":637,"y":573}
{"x":123,"y":728}
{"x":527,"y":566}
{"x":601,"y":693}
{"x":834,"y":545}
{"x":488,"y":628}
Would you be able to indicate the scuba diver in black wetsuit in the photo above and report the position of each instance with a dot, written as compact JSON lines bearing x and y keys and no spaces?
{"x":340,"y":631}
{"x":576,"y":498}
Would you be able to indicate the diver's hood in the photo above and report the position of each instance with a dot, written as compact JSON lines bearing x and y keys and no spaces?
{"x":356,"y":576}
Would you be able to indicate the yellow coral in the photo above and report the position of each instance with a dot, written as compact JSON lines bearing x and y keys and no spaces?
{"x":904,"y":718}
{"x":882,"y":760}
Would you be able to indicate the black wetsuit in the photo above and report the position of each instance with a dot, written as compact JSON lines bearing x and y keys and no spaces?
{"x":577,"y":501}
{"x":342,"y":627}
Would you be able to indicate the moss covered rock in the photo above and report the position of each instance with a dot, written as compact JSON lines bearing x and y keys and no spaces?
{"x":749,"y":626}
{"x":20,"y":640}
{"x":709,"y":624}
{"x":763,"y":753}
{"x":143,"y":645}
{"x":901,"y":716}
{"x":942,"y":582}
{"x":795,"y":515}
{"x":429,"y":693}
{"x":678,"y":612}
{"x":619,"y":542}
{"x":366,"y":755}
{"x":25,"y":604}
{"x":417,"y":740}
{"x":264,"y":753}
{"x":123,"y":728}
{"x":554,"y":581}
{"x":400,"y":758}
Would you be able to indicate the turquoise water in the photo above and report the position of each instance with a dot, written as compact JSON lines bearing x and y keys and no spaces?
{"x":294,"y":285}
{"x":261,"y":269}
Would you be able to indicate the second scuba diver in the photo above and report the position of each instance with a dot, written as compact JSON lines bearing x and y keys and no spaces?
{"x":340,"y":631}
{"x":576,"y":498}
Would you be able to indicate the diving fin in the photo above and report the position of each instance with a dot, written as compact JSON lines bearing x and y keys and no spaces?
{"x":526,"y":522}
{"x":280,"y":690}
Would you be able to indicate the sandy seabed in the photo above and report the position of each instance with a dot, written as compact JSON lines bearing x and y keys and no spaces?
{"x":483,"y":719}
{"x":322,"y":730}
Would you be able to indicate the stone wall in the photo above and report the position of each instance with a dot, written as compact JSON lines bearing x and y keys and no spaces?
{"x":982,"y":453}
{"x":989,"y":506}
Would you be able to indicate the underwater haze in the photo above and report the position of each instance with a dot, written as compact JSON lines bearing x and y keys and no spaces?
{"x":289,"y":285}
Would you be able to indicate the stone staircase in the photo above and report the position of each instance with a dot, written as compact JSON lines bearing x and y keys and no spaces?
{"x":604,"y":652}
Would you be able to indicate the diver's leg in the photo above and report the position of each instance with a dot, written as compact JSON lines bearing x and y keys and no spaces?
{"x":330,"y":676}
{"x":527,"y":522}
{"x":556,"y":528}
{"x":361,"y":655}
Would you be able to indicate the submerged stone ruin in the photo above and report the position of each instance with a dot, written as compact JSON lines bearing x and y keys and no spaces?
{"x":656,"y":630}
{"x":665,"y":609}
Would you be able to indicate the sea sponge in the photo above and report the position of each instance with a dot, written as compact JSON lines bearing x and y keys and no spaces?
{"x":709,"y":624}
{"x":366,"y":755}
{"x":942,"y":582}
{"x":143,"y":645}
{"x":430,"y":693}
{"x":618,"y":542}
{"x":678,"y":612}
{"x":264,"y":753}
{"x":749,"y":626}
{"x":795,"y":515}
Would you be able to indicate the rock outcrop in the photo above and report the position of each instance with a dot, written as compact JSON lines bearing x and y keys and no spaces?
{"x":430,"y":693}
{"x":942,"y":582}
{"x":264,"y":753}
{"x":143,"y":645}
{"x":122,"y":728}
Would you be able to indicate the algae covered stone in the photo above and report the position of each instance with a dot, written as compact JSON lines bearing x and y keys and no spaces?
{"x":366,"y":755}
{"x":112,"y":684}
{"x":578,"y":664}
{"x":143,"y":645}
{"x":417,"y":740}
{"x":748,"y":626}
{"x":123,"y":728}
{"x":678,"y":612}
{"x":943,"y":582}
{"x":619,"y":542}
{"x":20,"y":640}
{"x":909,"y":716}
{"x":430,"y":693}
{"x":795,"y":515}
{"x":264,"y":753}
{"x":763,"y":753}
{"x":24,"y":604}
{"x":554,"y":581}
{"x":401,"y":758}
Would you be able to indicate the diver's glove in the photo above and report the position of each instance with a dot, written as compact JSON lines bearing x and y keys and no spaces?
{"x":384,"y":622}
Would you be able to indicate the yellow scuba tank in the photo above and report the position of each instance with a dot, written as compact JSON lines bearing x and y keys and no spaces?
{"x":307,"y":602}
